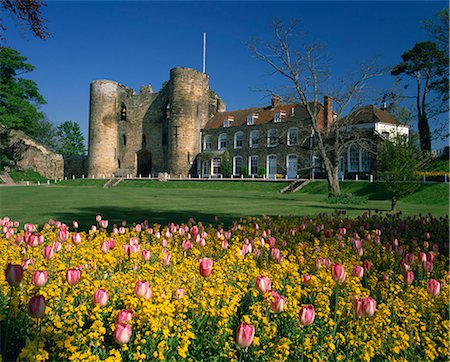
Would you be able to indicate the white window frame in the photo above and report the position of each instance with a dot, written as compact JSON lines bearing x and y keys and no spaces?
{"x":289,"y":136}
{"x":353,"y":166}
{"x":268,"y":166}
{"x":272,"y":134}
{"x":216,"y":162}
{"x":296,"y":162}
{"x":235,"y":171}
{"x":238,"y":143}
{"x":364,"y":160}
{"x":254,"y":157}
{"x":250,"y":120}
{"x":219,"y":141}
{"x":207,"y":142}
{"x":258,"y":137}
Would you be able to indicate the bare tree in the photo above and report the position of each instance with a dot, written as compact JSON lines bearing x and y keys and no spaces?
{"x":303,"y":67}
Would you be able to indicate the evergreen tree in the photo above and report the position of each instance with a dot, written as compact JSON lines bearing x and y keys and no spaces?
{"x":70,"y":139}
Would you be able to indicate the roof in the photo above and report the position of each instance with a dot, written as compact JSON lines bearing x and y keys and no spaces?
{"x":265,"y":115}
{"x":372,"y":114}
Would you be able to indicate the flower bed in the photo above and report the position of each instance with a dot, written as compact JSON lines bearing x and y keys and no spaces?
{"x":330,"y":288}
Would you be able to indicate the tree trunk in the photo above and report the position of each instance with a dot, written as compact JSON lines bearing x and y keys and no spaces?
{"x":424,"y":133}
{"x":333,"y":183}
{"x":393,"y":202}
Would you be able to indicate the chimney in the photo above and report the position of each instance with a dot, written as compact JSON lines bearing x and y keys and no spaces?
{"x":276,"y":101}
{"x":328,"y":105}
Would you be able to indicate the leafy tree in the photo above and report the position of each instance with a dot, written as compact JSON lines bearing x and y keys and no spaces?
{"x":70,"y":139}
{"x":28,"y":14}
{"x":397,"y":163}
{"x":46,"y":134}
{"x":19,"y":97}
{"x":227,"y":167}
{"x":428,"y":65}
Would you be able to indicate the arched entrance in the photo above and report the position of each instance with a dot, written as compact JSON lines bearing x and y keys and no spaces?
{"x":144,"y":163}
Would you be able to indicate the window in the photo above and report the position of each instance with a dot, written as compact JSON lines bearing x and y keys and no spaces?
{"x":272,"y":138}
{"x":251,"y":119}
{"x":124,"y":140}
{"x":365,"y":160}
{"x":279,"y":116}
{"x":253,"y":165}
{"x":144,"y":141}
{"x":238,"y":139}
{"x":207,"y":142}
{"x":237,"y":165}
{"x":271,"y":166}
{"x":385,"y":134}
{"x":222,"y":141}
{"x":292,"y":136}
{"x":227,"y":122}
{"x":123,"y":112}
{"x":254,"y":139}
{"x":167,"y":111}
{"x":291,"y":166}
{"x":216,"y":166}
{"x":353,"y":158}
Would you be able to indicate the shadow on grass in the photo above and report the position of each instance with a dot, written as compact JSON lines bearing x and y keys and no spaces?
{"x":86,"y":216}
{"x":373,"y":191}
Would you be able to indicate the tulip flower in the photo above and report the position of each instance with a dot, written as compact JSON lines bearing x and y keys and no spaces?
{"x":73,"y":276}
{"x":98,"y":218}
{"x":26,"y":262}
{"x":103,"y":224}
{"x":338,"y":273}
{"x":306,"y":315}
{"x":367,"y":265}
{"x":433,"y":287}
{"x":142,"y":290}
{"x":145,"y":255}
{"x":124,"y":315}
{"x":14,"y":274}
{"x":369,"y":305}
{"x":180,"y":293}
{"x":62,"y":235}
{"x":101,"y":297}
{"x":408,"y":277}
{"x":205,"y":267}
{"x":358,"y":271}
{"x":39,"y":278}
{"x":306,"y":279}
{"x":36,"y":306}
{"x":428,"y":266}
{"x":278,"y":303}
{"x":262,"y":284}
{"x":48,"y":252}
{"x":122,"y":333}
{"x":76,"y":238}
{"x":244,"y":335}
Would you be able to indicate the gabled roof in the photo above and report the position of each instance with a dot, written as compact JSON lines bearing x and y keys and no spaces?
{"x":372,"y":114}
{"x":265,"y":115}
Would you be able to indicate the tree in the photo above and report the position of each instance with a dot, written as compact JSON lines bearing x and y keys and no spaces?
{"x":46,"y":134}
{"x":70,"y":139}
{"x":28,"y":14}
{"x":428,"y":65}
{"x":19,"y":97}
{"x":302,"y":66}
{"x":397,"y":164}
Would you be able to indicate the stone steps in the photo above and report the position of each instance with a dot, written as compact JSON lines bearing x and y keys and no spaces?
{"x":295,"y":186}
{"x":114,"y":181}
{"x":7,"y":180}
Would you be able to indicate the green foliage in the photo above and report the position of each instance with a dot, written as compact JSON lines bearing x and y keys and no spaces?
{"x":46,"y":134}
{"x":28,"y":175}
{"x":245,"y":171}
{"x":347,"y":199}
{"x":397,"y":164}
{"x":262,"y":171}
{"x":438,"y":165}
{"x":6,"y":158}
{"x":227,"y":167}
{"x":19,"y":97}
{"x":70,"y":139}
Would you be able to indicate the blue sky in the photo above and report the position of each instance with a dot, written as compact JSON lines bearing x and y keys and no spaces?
{"x":137,"y":43}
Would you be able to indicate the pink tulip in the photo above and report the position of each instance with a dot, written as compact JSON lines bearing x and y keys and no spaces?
{"x":262,"y":284}
{"x":142,"y":290}
{"x":33,"y":241}
{"x":39,"y":278}
{"x":278,"y":303}
{"x":48,"y":252}
{"x":427,"y":236}
{"x":187,"y":245}
{"x":122,"y":333}
{"x":338,"y":273}
{"x":36,"y":306}
{"x":138,"y":228}
{"x":428,"y":266}
{"x":404,"y":266}
{"x":76,"y":238}
{"x":180,"y":293}
{"x":57,"y":246}
{"x":357,"y":308}
{"x":73,"y":276}
{"x":433,"y":287}
{"x":306,"y":279}
{"x":367,"y":265}
{"x":408,"y":277}
{"x":205,"y":267}
{"x":244,"y":335}
{"x":166,"y":258}
{"x":103,"y":224}
{"x":430,"y":256}
{"x":306,"y":315}
{"x":75,"y":224}
{"x":275,"y":254}
{"x":26,"y":263}
{"x":422,"y":257}
{"x":98,"y":218}
{"x":409,"y":258}
{"x":124,"y":315}
{"x":369,"y":306}
{"x":101,"y":297}
{"x":358,"y":271}
{"x":14,"y":274}
{"x":105,"y":246}
{"x":145,"y":255}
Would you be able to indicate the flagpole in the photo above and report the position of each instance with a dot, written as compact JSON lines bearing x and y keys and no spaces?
{"x":204,"y":52}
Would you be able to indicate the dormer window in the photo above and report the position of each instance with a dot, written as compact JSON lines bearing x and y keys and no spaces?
{"x":251,"y":119}
{"x":279,"y":116}
{"x":227,"y":122}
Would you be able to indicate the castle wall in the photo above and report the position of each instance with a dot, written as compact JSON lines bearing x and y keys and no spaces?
{"x":103,"y":128}
{"x":189,"y":111}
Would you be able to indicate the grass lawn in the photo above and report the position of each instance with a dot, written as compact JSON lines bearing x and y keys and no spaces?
{"x":177,"y":201}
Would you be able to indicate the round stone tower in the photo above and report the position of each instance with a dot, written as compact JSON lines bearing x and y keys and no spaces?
{"x":103,"y":128}
{"x":189,"y":111}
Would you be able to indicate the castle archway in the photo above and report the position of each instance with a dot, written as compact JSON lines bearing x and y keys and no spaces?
{"x":144,"y":163}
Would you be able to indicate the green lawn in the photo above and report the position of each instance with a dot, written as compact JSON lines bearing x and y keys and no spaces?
{"x":177,"y":201}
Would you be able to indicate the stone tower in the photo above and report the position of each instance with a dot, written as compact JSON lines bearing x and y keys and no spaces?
{"x":103,"y":128}
{"x":189,"y":98}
